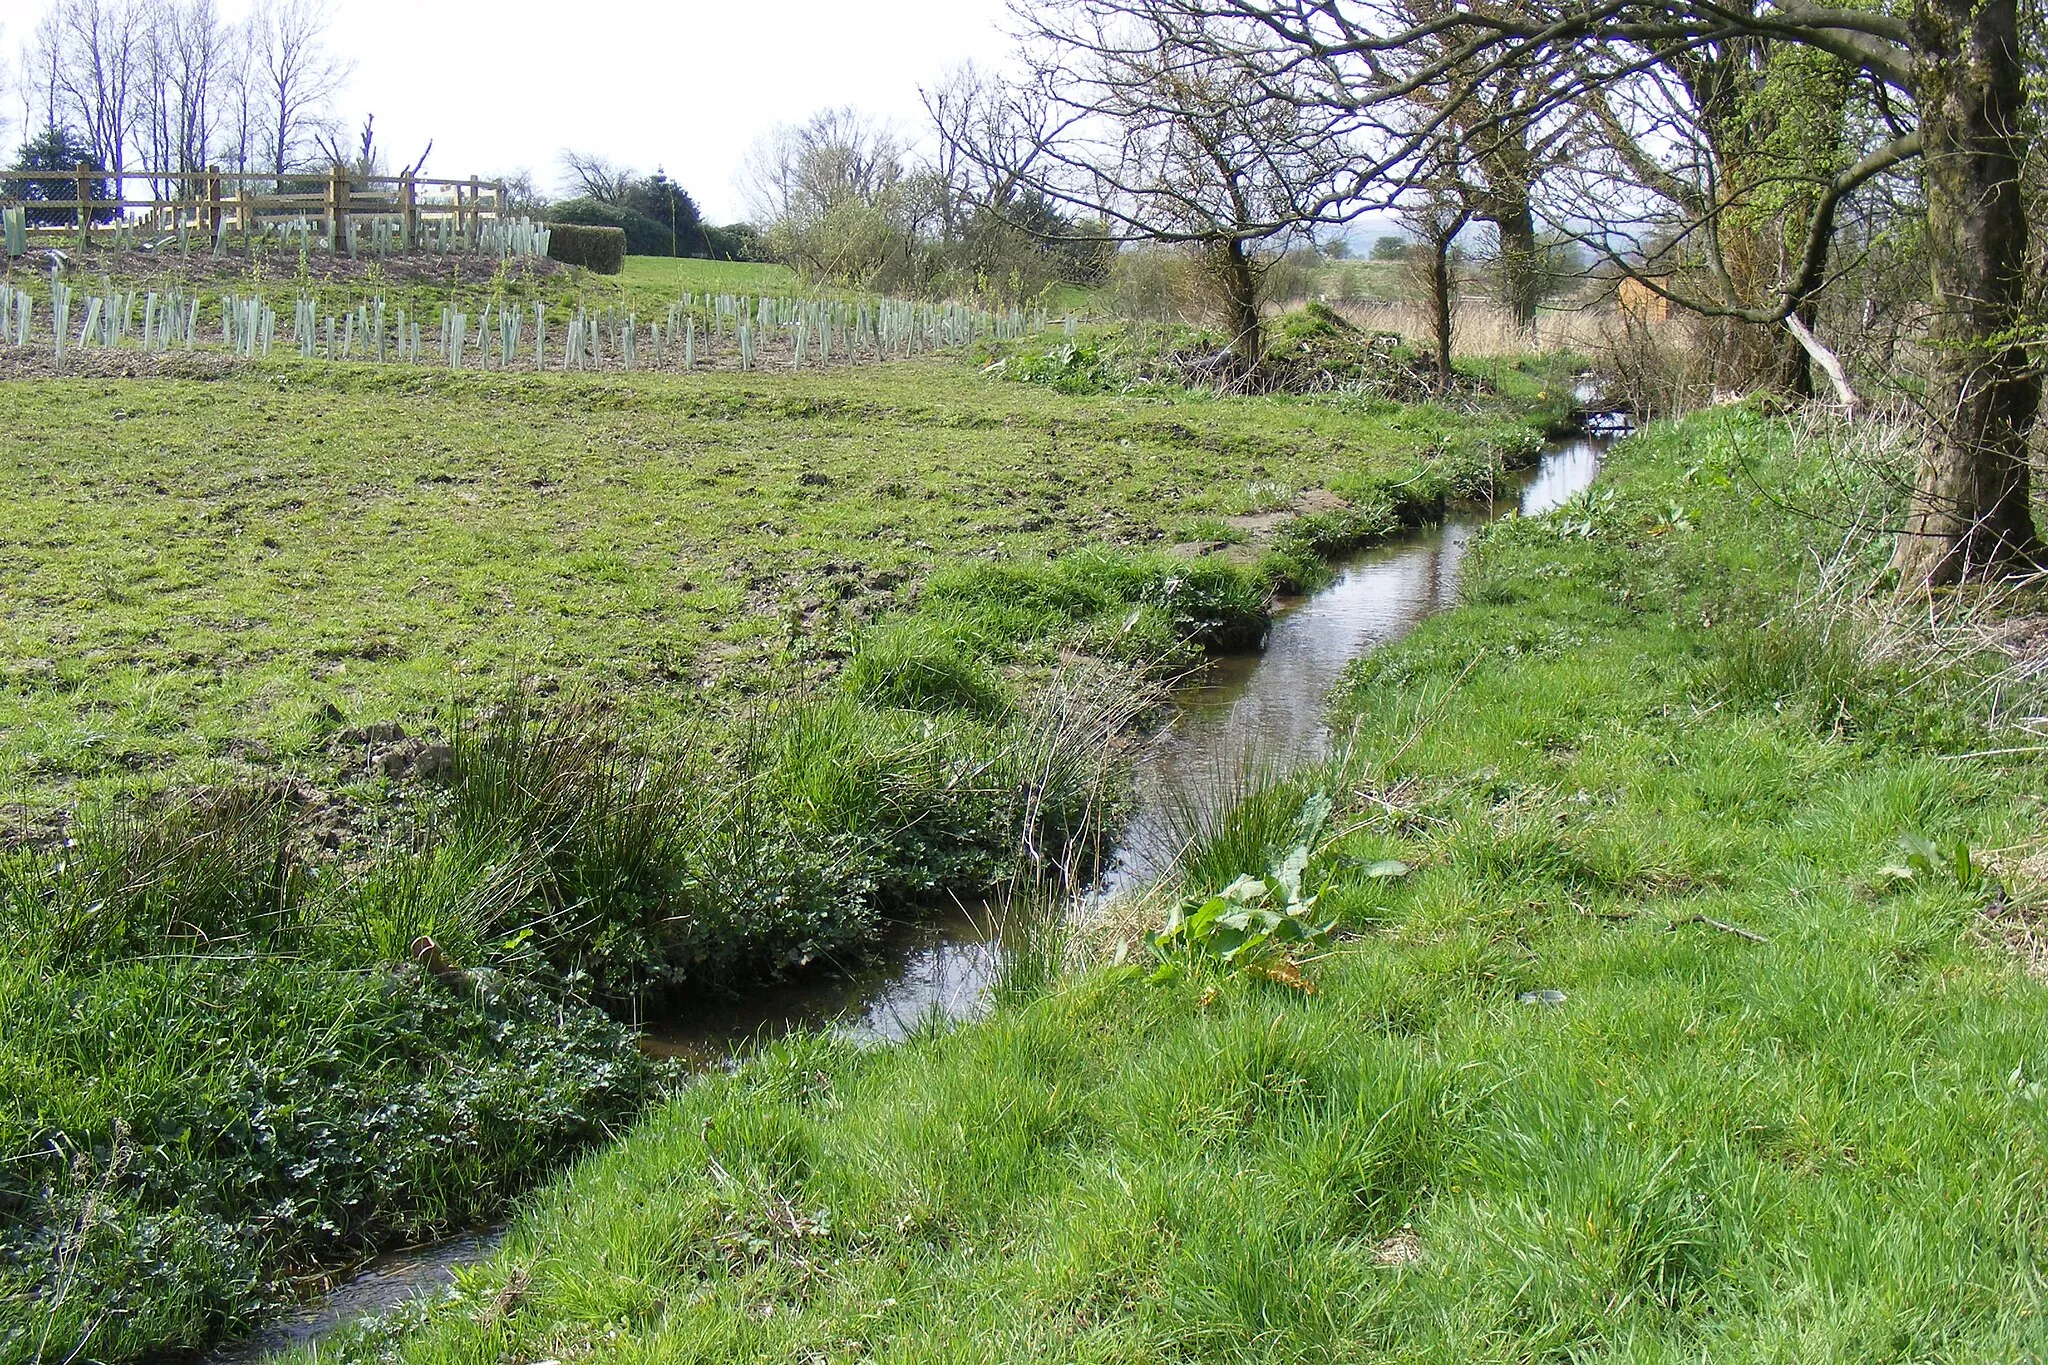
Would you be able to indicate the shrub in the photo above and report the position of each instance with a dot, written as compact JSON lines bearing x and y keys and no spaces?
{"x":645,"y":234}
{"x":602,"y":249}
{"x":211,"y":869}
{"x":669,"y":208}
{"x":735,"y":242}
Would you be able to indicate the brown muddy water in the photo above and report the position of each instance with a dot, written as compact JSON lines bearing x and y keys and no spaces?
{"x":1264,"y":709}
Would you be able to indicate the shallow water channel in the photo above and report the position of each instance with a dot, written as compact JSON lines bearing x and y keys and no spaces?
{"x":1266,"y":708}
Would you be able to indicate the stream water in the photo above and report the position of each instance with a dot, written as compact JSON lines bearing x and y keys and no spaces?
{"x":1266,"y":708}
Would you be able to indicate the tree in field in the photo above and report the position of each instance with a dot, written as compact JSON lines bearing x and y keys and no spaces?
{"x":85,"y":59}
{"x":1438,"y":208}
{"x":1723,"y":152}
{"x":659,"y":217}
{"x":294,"y":76}
{"x":52,"y":196}
{"x":838,"y":198}
{"x":1947,"y":78}
{"x":668,"y":205}
{"x":1509,"y":125}
{"x":1171,"y":132}
{"x":993,"y":225}
{"x":184,"y":67}
{"x":593,"y":176}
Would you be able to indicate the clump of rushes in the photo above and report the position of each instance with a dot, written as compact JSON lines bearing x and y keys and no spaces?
{"x":923,"y":667}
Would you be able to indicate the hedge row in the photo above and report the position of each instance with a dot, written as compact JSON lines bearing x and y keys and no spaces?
{"x":602,"y":249}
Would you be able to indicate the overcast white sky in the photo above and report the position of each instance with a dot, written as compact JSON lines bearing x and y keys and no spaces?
{"x":686,"y":84}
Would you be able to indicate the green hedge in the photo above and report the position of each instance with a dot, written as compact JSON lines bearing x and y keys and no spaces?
{"x":602,"y":249}
{"x":645,"y":236}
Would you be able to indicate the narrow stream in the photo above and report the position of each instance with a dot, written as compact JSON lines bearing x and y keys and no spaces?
{"x":1270,"y":709}
{"x":1267,"y":708}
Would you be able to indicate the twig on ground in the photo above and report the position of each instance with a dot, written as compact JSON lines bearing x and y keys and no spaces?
{"x":1724,"y":927}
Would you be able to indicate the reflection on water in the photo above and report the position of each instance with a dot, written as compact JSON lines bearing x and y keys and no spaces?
{"x":388,"y":1282}
{"x":1563,"y":474}
{"x":944,"y":965}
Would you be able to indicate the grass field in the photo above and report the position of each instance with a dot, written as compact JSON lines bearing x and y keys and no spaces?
{"x":704,"y":678}
{"x":1686,"y":1029}
{"x":201,"y":571}
{"x":667,"y":277}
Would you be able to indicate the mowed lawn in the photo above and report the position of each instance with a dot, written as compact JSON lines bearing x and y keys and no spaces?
{"x":207,"y":570}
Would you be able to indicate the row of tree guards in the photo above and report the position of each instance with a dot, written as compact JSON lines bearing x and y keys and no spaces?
{"x":749,"y":332}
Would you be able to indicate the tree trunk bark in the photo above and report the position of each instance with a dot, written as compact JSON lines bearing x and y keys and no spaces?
{"x":1791,"y":363}
{"x":1238,"y":284}
{"x":1970,"y":516}
{"x":1440,"y":309}
{"x":1521,"y":276}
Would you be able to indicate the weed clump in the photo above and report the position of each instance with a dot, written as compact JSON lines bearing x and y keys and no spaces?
{"x":920,"y":667}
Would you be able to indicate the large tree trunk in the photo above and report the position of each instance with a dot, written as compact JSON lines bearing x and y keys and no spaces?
{"x":1970,"y":516}
{"x":1521,"y":274}
{"x":1237,"y":282}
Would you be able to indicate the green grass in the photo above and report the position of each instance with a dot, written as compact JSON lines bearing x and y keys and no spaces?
{"x":1827,"y":1145}
{"x":732,"y":670}
{"x":203,"y":573}
{"x":666,"y":278}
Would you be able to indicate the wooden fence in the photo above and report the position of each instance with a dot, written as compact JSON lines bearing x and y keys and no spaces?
{"x":213,"y":199}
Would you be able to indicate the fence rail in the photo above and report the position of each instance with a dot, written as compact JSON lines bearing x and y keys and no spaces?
{"x":245,"y":200}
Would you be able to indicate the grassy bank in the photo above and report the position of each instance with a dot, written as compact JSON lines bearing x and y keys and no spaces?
{"x":372,"y":740}
{"x":1669,"y":1018}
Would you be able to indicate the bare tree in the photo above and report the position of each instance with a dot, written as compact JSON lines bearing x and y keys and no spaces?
{"x":88,"y":53}
{"x":186,"y":56}
{"x":838,"y":198}
{"x":361,"y":158}
{"x":1171,"y":131}
{"x":523,"y":198}
{"x":1436,"y":210}
{"x":12,"y":84}
{"x":1509,"y":126}
{"x":1721,"y":154}
{"x":799,"y":172}
{"x":989,"y":134}
{"x":239,"y":119}
{"x":294,"y":77}
{"x":592,"y":176}
{"x":200,"y":47}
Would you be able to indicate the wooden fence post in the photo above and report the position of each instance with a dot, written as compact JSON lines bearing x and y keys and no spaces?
{"x":84,"y":213}
{"x":476,"y":206}
{"x":409,"y":209}
{"x":337,"y":206}
{"x":213,"y":201}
